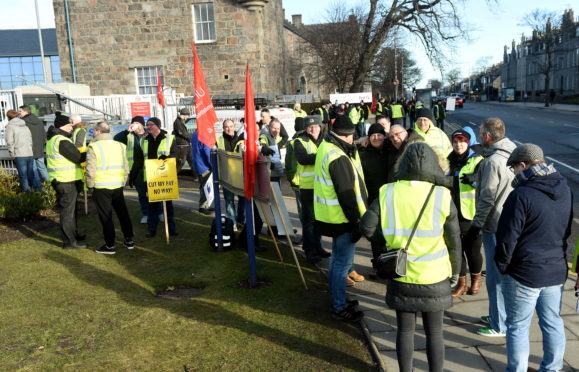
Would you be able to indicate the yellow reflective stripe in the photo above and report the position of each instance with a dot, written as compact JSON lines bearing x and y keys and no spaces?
{"x":60,"y":168}
{"x":306,"y":174}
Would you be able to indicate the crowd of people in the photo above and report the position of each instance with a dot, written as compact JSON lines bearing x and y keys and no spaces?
{"x":447,"y":199}
{"x":489,"y":196}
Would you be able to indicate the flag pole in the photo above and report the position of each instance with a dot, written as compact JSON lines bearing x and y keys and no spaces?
{"x":216,"y":200}
{"x":166,"y":222}
{"x":249,"y":232}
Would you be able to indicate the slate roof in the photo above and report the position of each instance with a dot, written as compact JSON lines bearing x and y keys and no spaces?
{"x":23,"y":43}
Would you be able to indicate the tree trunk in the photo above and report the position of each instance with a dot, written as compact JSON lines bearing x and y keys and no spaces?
{"x":547,"y":90}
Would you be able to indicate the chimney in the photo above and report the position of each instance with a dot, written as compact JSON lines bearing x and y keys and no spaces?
{"x":297,"y":20}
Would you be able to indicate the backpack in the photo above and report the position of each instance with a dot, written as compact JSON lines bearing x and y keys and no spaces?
{"x":227,"y":232}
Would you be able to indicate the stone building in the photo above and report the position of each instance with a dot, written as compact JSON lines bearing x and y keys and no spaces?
{"x":525,"y":65}
{"x":117,"y":47}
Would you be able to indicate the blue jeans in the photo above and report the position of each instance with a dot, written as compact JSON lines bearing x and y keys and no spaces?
{"x":521,"y":302}
{"x":361,"y":129}
{"x":343,"y":251}
{"x":40,"y":169}
{"x":238,"y":217}
{"x":156,"y":210}
{"x":25,"y":167}
{"x":493,"y":281}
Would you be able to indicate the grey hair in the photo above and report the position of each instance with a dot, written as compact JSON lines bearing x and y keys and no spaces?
{"x":103,"y":127}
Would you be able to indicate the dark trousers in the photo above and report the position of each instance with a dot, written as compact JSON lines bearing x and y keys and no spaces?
{"x":440,"y":123}
{"x":471,"y":252}
{"x":406,"y":322}
{"x":66,"y":194}
{"x":184,"y":155}
{"x":312,"y":242}
{"x":155,"y":209}
{"x":361,"y":129}
{"x":106,"y":200}
{"x":141,"y":187}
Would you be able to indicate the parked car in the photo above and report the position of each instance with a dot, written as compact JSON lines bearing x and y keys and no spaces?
{"x":459,"y":99}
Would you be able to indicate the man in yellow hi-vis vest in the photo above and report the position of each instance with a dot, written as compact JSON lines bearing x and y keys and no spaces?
{"x":63,"y":164}
{"x":305,"y":148}
{"x":107,"y":169}
{"x":340,"y":199}
{"x":158,"y":144}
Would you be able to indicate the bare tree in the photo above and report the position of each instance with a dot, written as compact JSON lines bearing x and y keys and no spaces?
{"x":383,"y":74}
{"x":435,"y":84}
{"x":433,"y":22}
{"x":453,"y":77}
{"x":546,"y":26}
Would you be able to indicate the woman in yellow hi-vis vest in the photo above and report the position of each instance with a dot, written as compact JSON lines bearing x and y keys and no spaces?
{"x":463,"y":166}
{"x":433,"y":253}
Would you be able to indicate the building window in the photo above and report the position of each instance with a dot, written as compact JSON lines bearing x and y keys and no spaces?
{"x":204,"y":22}
{"x":30,"y":68}
{"x":146,"y":79}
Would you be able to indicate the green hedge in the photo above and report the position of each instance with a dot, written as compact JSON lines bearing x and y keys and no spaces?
{"x":16,"y":205}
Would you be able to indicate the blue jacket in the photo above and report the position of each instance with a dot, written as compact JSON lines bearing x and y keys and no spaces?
{"x":533,"y":230}
{"x":201,"y":155}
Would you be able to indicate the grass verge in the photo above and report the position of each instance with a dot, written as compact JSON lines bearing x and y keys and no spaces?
{"x":78,"y":310}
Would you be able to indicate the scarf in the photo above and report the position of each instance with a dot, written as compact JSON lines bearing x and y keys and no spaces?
{"x":537,"y":170}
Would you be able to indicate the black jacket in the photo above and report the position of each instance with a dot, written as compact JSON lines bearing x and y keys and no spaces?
{"x":394,"y":154}
{"x":419,"y":163}
{"x":36,"y":127}
{"x":138,"y":161}
{"x":230,"y":142}
{"x":374,"y":163}
{"x":342,"y":175}
{"x":66,"y":148}
{"x":533,"y":230}
{"x":153,"y":145}
{"x":182,"y":136}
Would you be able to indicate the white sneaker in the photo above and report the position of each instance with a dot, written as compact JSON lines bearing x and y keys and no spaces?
{"x":144,"y":219}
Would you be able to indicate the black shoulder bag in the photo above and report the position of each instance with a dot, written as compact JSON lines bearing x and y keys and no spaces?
{"x":392,"y":263}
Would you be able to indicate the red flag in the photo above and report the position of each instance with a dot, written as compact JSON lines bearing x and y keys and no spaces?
{"x":250,"y":157}
{"x":204,"y":110}
{"x":373,"y":107}
{"x":160,"y":95}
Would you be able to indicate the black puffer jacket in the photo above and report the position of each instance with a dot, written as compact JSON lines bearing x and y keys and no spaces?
{"x":418,"y":163}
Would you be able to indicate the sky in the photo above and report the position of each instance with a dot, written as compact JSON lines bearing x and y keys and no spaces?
{"x":490,"y":27}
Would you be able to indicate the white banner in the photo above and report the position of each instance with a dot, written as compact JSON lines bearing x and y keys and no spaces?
{"x":450,"y":102}
{"x":351,"y":97}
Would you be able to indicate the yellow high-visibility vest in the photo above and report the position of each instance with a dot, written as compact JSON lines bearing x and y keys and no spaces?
{"x":467,"y":192}
{"x":306,"y":172}
{"x":326,"y":205}
{"x":75,"y":134}
{"x":397,"y":111}
{"x":400,"y":205}
{"x":59,"y":167}
{"x":110,"y":169}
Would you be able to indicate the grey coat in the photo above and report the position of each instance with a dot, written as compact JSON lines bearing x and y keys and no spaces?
{"x":18,"y":138}
{"x":494,"y":185}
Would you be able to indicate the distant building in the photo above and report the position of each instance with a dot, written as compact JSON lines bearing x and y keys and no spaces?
{"x":20,"y":56}
{"x":524,"y":66}
{"x":119,"y":47}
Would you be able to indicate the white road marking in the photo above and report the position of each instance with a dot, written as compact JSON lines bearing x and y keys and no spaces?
{"x":576,"y":220}
{"x":572,"y":126}
{"x":472,"y":124}
{"x":563,"y":164}
{"x":554,"y":160}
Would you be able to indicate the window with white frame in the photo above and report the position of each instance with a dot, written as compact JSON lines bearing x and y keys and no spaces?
{"x":203,"y":22}
{"x":146,"y":79}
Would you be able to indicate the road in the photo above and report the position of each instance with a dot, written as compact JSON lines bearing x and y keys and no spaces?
{"x":556,"y":132}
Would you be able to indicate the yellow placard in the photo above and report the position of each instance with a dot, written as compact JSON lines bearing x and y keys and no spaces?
{"x":162,"y":179}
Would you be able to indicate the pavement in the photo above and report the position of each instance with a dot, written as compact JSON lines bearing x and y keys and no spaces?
{"x":538,"y":105}
{"x":465,"y":350}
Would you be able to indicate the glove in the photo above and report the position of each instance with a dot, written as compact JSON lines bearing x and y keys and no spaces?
{"x":472,"y":233}
{"x":468,"y":179}
{"x":266,"y":151}
{"x":163,"y":157}
{"x":453,"y":281}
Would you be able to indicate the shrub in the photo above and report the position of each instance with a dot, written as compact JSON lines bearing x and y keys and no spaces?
{"x":17,"y":205}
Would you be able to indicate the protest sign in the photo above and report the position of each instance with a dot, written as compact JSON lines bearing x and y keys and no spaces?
{"x":162,"y":179}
